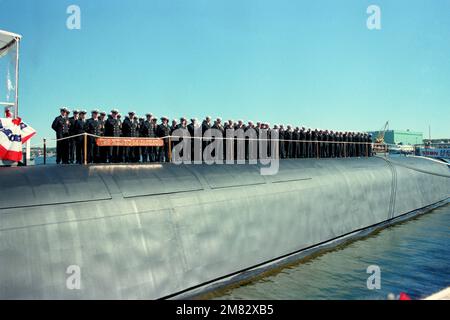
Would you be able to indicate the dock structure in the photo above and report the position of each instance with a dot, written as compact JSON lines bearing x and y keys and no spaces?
{"x":441,"y":295}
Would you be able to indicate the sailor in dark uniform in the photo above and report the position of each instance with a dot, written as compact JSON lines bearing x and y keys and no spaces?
{"x":135,"y":151}
{"x":250,"y":131}
{"x":331,"y":144}
{"x":61,"y":125}
{"x":282,"y":142}
{"x":206,"y":125}
{"x":79,"y":128}
{"x":315,"y":144}
{"x":349,"y":144}
{"x":72,"y":142}
{"x":369,"y":141}
{"x":302,"y":138}
{"x":296,"y":143}
{"x":144,"y":132}
{"x":164,"y":132}
{"x":102,"y":150}
{"x":238,"y":143}
{"x":342,"y":144}
{"x":268,"y":134}
{"x":338,"y":144}
{"x":320,"y":143}
{"x":128,"y":130}
{"x":93,"y":126}
{"x":308,"y":144}
{"x":181,"y":131}
{"x":154,"y":151}
{"x":228,"y":127}
{"x":140,"y":149}
{"x":113,"y":129}
{"x":192,"y":127}
{"x":288,"y":136}
{"x":174,"y":126}
{"x":121,"y":154}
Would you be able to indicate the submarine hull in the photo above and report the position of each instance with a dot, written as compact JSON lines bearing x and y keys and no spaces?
{"x":158,"y":230}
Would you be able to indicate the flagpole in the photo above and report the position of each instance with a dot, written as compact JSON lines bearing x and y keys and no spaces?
{"x":16,"y":108}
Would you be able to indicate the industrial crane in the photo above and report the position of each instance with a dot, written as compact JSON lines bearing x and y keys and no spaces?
{"x":381,"y":133}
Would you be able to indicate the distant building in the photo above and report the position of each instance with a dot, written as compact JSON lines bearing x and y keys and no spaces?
{"x":400,"y":137}
{"x":436,"y":141}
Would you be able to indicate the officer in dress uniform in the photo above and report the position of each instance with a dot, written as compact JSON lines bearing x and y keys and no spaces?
{"x":338,"y":144}
{"x":140,"y":150}
{"x":174,"y":126}
{"x":369,"y":140}
{"x":296,"y":143}
{"x":144,"y":132}
{"x":135,"y":151}
{"x":128,"y":131}
{"x":113,"y":129}
{"x":183,"y":135}
{"x":79,"y":128}
{"x":302,"y":137}
{"x":282,"y":143}
{"x":61,"y":126}
{"x":320,"y":143}
{"x":288,"y":136}
{"x":164,"y":132}
{"x":228,"y":127}
{"x":308,"y":144}
{"x":315,"y":143}
{"x":252,"y":131}
{"x":221,"y":130}
{"x":206,"y":125}
{"x":72,"y":141}
{"x":93,"y":126}
{"x":239,"y":143}
{"x":192,"y":127}
{"x":102,"y":150}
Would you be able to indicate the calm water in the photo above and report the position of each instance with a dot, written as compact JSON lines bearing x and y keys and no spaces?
{"x":414,"y":257}
{"x":40,"y":160}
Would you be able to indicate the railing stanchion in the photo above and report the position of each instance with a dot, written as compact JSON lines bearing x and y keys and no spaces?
{"x":45,"y":150}
{"x":170,"y":149}
{"x":85,"y":149}
{"x":317,"y":150}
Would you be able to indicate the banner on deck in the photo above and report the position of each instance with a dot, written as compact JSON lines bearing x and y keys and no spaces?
{"x":129,"y":142}
{"x":13,"y":133}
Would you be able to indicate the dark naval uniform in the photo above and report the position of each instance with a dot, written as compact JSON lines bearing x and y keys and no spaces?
{"x":147,"y":130}
{"x":79,"y":128}
{"x":164,"y":131}
{"x":282,"y":143}
{"x":205,"y":127}
{"x":72,"y":141}
{"x":102,"y":150}
{"x":93,"y":126}
{"x":219,"y":127}
{"x":113,"y":129}
{"x":61,"y":126}
{"x":130,"y":128}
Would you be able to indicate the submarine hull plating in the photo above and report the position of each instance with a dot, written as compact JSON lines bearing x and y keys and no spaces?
{"x":153,"y":231}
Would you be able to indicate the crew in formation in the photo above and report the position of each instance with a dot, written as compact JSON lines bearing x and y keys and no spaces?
{"x":293,"y":142}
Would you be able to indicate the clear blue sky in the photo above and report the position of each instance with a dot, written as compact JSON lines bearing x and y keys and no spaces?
{"x":311,"y":63}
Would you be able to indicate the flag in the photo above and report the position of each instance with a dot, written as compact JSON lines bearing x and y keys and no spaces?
{"x":13,"y":133}
{"x":27,"y":132}
{"x":404,"y":296}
